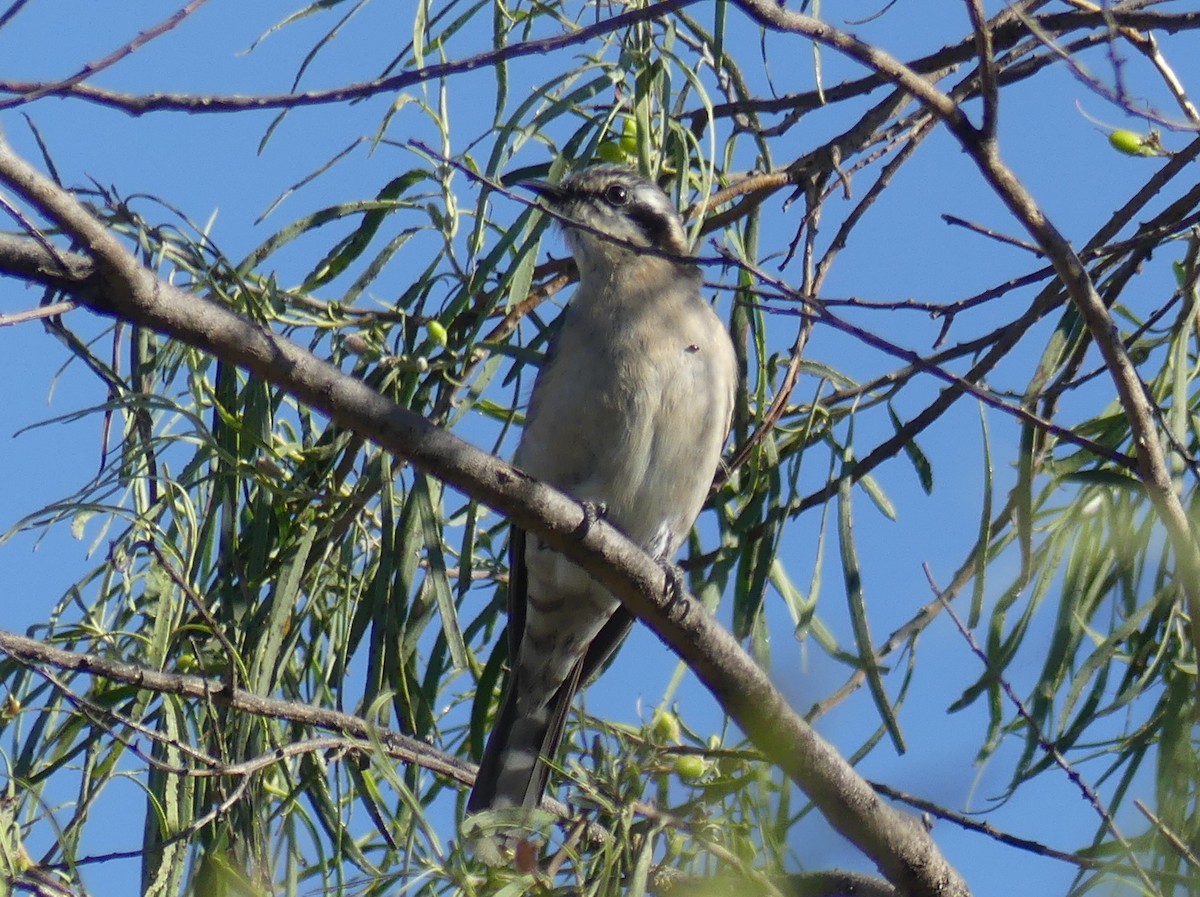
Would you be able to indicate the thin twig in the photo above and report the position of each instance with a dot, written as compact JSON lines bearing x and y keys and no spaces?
{"x":144,"y":37}
{"x":54,"y":309}
{"x":987,"y":69}
{"x":992,"y":234}
{"x":139,"y":104}
{"x":986,"y":828}
{"x":1171,"y":837}
{"x":410,"y":750}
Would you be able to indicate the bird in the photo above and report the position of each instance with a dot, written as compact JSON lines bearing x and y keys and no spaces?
{"x":629,"y":415}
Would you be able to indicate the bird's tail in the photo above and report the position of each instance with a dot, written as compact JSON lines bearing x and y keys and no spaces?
{"x":515,"y":765}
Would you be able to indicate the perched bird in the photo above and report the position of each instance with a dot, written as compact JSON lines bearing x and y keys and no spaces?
{"x":629,"y":413}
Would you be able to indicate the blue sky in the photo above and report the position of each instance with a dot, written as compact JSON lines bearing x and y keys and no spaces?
{"x":208,"y":167}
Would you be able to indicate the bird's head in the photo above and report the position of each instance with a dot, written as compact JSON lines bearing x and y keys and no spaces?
{"x":609,"y":201}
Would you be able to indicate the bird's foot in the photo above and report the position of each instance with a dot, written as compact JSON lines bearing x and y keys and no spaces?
{"x":673,"y":591}
{"x":593,"y":511}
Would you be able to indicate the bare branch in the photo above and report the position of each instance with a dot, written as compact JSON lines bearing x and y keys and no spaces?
{"x":140,"y":104}
{"x":987,"y":69}
{"x":171,"y":22}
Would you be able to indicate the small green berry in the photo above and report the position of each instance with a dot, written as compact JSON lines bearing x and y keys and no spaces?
{"x":436,"y":331}
{"x":665,"y":727}
{"x":690,"y":767}
{"x":629,"y":136}
{"x":1132,"y":143}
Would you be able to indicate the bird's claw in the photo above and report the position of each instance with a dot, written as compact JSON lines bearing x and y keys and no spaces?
{"x":673,"y":590}
{"x":592,"y":513}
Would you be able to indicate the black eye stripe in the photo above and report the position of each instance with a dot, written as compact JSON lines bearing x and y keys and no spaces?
{"x":651,"y":223}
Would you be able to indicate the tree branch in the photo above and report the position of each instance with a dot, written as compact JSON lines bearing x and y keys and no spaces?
{"x":410,"y":750}
{"x":144,"y":37}
{"x":139,"y":104}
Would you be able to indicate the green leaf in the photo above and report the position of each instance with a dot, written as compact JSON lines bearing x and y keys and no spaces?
{"x":349,"y":248}
{"x":917,"y":457}
{"x":424,"y":491}
{"x":856,"y":596}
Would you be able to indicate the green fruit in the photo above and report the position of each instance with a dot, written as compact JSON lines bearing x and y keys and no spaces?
{"x":436,"y":331}
{"x":690,"y":767}
{"x":629,"y":136}
{"x":665,"y":727}
{"x":1132,"y":143}
{"x":674,"y":846}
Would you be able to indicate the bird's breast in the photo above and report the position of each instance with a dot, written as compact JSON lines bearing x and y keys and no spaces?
{"x":632,"y":411}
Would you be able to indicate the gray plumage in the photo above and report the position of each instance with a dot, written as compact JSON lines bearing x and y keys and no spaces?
{"x":630,"y":411}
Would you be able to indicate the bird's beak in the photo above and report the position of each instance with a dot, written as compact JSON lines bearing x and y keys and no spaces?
{"x":550,"y":192}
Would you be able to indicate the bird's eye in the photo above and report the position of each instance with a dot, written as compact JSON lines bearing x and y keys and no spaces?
{"x":616,"y":195}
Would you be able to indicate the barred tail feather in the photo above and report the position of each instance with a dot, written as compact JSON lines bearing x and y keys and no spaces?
{"x":514,"y":769}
